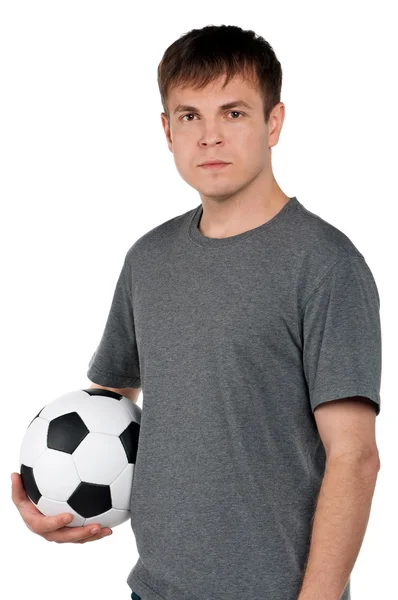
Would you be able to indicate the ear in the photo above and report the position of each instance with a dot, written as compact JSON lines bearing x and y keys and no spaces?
{"x":166,"y":127}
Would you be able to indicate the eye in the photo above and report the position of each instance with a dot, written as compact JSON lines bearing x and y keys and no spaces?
{"x":231,"y":111}
{"x":237,"y":112}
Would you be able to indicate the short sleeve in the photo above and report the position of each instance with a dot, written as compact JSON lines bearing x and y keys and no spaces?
{"x":341,"y":332}
{"x":115,"y":362}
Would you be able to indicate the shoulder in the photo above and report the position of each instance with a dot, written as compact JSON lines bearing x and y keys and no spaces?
{"x":319,"y":250}
{"x":157,"y":240}
{"x":316,"y":235}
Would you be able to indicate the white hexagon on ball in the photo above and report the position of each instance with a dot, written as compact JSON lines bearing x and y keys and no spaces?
{"x":100,"y":458}
{"x":99,"y":415}
{"x":34,"y":442}
{"x":56,"y":475}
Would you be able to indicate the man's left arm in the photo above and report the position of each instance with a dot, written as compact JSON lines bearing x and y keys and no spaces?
{"x":347,"y":429}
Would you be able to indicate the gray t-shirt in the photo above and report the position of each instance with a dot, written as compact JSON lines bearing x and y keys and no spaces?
{"x":235,"y":341}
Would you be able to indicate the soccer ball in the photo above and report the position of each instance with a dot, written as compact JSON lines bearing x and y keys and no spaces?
{"x":78,"y":456}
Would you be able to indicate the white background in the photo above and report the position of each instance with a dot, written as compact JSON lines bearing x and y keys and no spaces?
{"x":85,"y":171}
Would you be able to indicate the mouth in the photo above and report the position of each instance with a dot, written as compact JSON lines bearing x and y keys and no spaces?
{"x":214,"y":166}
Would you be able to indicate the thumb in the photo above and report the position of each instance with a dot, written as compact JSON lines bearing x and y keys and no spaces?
{"x":18,"y":490}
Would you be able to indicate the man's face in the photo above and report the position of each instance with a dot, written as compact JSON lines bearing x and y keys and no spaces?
{"x":237,"y":135}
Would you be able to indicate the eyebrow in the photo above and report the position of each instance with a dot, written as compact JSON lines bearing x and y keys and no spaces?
{"x":187,"y":107}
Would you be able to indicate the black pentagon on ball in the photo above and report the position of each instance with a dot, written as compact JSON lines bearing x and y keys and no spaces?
{"x":29,"y":483}
{"x":129,"y":439}
{"x":91,"y":499}
{"x":66,"y":432}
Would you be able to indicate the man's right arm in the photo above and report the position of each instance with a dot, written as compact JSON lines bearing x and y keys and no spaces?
{"x":130,"y":393}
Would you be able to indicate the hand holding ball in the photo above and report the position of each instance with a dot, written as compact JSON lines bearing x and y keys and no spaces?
{"x":78,"y":456}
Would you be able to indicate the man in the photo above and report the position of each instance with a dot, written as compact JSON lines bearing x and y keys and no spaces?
{"x":251,"y":325}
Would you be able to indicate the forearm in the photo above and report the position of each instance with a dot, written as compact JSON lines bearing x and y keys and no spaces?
{"x":130,"y":393}
{"x":339,"y":524}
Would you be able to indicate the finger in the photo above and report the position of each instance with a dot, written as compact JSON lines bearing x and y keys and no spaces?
{"x":105,"y":532}
{"x":42,"y":524}
{"x":73,"y":534}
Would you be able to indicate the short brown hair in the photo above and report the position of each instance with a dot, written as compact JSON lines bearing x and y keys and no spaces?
{"x":202,"y":55}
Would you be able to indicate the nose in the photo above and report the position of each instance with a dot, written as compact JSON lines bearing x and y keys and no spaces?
{"x":210,"y":142}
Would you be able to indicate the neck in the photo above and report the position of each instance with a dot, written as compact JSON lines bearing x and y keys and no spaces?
{"x":236,"y":214}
